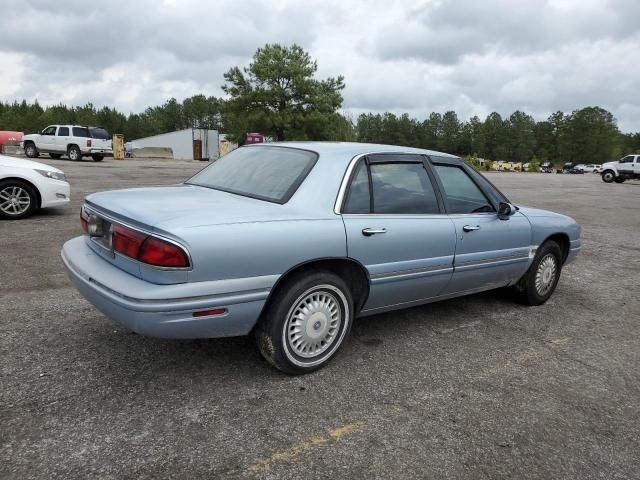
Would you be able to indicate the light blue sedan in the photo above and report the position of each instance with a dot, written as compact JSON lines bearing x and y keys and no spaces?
{"x":292,"y":241}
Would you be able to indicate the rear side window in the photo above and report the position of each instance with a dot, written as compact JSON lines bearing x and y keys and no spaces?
{"x":266,"y":173}
{"x":462,"y":194}
{"x":402,"y":188}
{"x":63,"y":131}
{"x":81,"y":132}
{"x":99,"y":133}
{"x":358,"y":198}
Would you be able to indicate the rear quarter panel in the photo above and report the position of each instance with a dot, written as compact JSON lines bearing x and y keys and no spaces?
{"x":256,"y":249}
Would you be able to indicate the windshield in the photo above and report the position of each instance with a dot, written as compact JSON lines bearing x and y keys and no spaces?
{"x":266,"y":173}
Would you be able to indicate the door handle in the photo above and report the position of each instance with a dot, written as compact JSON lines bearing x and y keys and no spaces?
{"x":367,"y":232}
{"x":471,"y":228}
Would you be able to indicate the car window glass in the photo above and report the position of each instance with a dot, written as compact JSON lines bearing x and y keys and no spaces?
{"x":63,"y":131}
{"x":627,"y":159}
{"x":358,"y":196}
{"x":99,"y":133}
{"x":402,"y":188}
{"x":81,"y":132}
{"x":49,"y":131}
{"x":463,"y":195}
{"x":266,"y":173}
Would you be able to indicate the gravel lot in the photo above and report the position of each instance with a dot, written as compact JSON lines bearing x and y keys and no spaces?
{"x":477,"y":387}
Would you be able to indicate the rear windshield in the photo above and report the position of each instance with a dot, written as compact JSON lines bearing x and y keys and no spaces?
{"x":99,"y":133}
{"x":266,"y":173}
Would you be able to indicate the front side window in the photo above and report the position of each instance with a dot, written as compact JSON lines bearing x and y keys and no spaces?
{"x":266,"y":173}
{"x":49,"y":131}
{"x":63,"y":131}
{"x":627,"y":159}
{"x":462,"y":194}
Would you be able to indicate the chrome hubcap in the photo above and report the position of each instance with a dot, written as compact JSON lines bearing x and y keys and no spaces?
{"x":14,"y":200}
{"x":313,"y":323}
{"x":546,"y":274}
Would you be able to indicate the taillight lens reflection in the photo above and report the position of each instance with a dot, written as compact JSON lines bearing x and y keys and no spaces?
{"x":127,"y":241}
{"x":162,"y":254}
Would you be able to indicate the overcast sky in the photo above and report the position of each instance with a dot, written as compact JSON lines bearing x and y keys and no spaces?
{"x":470,"y":56}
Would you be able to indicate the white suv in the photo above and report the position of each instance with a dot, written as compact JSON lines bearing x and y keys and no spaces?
{"x":627,"y":168}
{"x":75,"y":141}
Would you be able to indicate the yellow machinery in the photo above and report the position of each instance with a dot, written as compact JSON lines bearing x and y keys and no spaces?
{"x":507,"y":166}
{"x":118,"y":146}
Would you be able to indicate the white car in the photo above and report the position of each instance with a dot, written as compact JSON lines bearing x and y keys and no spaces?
{"x":74,"y":141}
{"x":26,"y":186}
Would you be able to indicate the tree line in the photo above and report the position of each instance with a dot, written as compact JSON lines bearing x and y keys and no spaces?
{"x":279,"y":96}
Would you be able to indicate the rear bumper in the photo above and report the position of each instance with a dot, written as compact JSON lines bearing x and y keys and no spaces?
{"x":160,"y":310}
{"x":99,"y":151}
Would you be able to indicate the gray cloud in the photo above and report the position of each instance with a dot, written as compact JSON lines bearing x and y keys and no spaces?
{"x":472,"y":57}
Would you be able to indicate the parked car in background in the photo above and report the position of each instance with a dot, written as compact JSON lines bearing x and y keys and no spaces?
{"x":75,"y":141}
{"x":597,"y":168}
{"x":627,"y":168}
{"x":292,"y":241}
{"x":546,"y":167}
{"x":589,"y":168}
{"x":26,"y":186}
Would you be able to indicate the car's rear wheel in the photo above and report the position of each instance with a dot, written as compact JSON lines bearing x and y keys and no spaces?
{"x":619,"y":180}
{"x":55,"y":156}
{"x":30,"y":150}
{"x":97,"y":158}
{"x":541,"y":279}
{"x":306,"y":322}
{"x":74,"y":153}
{"x":17,"y":199}
{"x":608,"y":176}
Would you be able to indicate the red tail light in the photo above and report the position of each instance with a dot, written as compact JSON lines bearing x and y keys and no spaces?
{"x":146,"y":249}
{"x":162,"y":254}
{"x":88,"y":143}
{"x":127,"y":241}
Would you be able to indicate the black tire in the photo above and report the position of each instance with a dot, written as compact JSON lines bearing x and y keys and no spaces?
{"x":531,"y":292}
{"x":276,"y":335}
{"x":55,"y":156}
{"x":74,"y":153}
{"x":30,"y":150}
{"x":97,"y":158}
{"x":16,"y":189}
{"x":608,"y":176}
{"x":619,"y":180}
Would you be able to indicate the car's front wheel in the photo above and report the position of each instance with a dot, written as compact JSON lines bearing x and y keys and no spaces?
{"x":30,"y":150}
{"x":608,"y":176}
{"x":17,"y":199}
{"x":540,"y":281}
{"x":306,"y":322}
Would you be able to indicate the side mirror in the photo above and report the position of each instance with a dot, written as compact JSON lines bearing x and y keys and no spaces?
{"x":505,"y":210}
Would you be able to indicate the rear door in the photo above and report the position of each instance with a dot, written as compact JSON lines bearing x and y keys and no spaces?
{"x":397,"y":229}
{"x":490,"y":252}
{"x":62,"y":139}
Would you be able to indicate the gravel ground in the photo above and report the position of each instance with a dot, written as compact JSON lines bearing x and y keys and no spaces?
{"x":477,"y":387}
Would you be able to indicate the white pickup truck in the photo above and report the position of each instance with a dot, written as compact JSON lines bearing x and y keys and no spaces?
{"x":627,"y":168}
{"x":75,"y":141}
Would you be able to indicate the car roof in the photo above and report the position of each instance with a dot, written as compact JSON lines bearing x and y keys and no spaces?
{"x":348,"y":150}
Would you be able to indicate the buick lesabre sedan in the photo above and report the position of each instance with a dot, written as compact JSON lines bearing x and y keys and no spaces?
{"x":292,"y":241}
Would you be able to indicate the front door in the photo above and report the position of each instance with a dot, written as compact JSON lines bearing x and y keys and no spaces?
{"x":47,"y":139}
{"x":397,"y":229}
{"x":490,"y":252}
